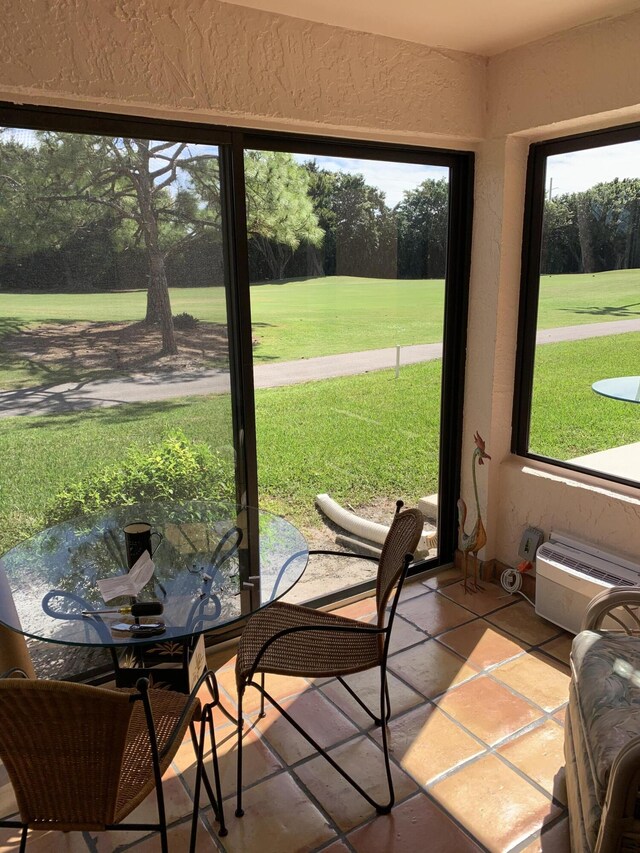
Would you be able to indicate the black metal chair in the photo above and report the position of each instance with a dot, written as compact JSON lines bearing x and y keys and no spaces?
{"x":82,"y":758}
{"x":289,"y":639}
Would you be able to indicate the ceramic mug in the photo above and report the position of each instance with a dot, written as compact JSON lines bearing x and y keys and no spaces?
{"x":137,"y":540}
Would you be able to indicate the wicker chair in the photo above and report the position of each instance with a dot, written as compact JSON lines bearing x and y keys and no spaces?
{"x":82,"y":758}
{"x":602,"y":730}
{"x":289,"y":639}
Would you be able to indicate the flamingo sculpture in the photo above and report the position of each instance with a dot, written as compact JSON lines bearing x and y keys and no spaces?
{"x":471,"y":543}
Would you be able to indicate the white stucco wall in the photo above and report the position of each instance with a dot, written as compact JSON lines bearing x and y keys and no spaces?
{"x":206,"y":60}
{"x":562,"y":84}
{"x":579,"y":81}
{"x":201,"y":59}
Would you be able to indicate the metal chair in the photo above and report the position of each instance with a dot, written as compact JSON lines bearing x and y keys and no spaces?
{"x":289,"y":639}
{"x":83,"y":758}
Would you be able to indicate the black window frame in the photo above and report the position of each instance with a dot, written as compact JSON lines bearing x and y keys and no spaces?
{"x":532,"y":234}
{"x":233,"y":141}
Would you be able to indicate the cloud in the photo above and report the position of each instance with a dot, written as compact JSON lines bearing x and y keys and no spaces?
{"x":392,"y":178}
{"x":578,"y":170}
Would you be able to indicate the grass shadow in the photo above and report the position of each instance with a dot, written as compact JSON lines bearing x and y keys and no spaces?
{"x":606,"y":310}
{"x":109,"y":415}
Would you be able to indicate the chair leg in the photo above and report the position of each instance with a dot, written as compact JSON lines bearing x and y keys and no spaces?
{"x":23,"y":839}
{"x":239,"y":810}
{"x":380,"y":808}
{"x":162,"y":818}
{"x":207,"y":719}
{"x":387,"y":716}
{"x":212,"y":684}
{"x":262,"y":695}
{"x":205,"y":778}
{"x":164,"y":841}
{"x":216,"y":776}
{"x":377,"y":721}
{"x":198,"y":747}
{"x":385,"y":713}
{"x":199,"y":744}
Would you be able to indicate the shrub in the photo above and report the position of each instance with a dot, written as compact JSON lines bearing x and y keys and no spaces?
{"x":175,"y":469}
{"x":185,"y":321}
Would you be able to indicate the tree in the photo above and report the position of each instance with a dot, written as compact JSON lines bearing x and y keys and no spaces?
{"x":32,"y":225}
{"x":611,"y":213}
{"x":423,"y":221}
{"x":561,"y":252}
{"x":365,"y":232}
{"x":593,"y":230}
{"x":359,"y":229}
{"x":148,"y":190}
{"x":280,"y":214}
{"x":321,"y":260}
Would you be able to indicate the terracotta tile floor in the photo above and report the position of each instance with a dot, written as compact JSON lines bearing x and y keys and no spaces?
{"x":478,"y":689}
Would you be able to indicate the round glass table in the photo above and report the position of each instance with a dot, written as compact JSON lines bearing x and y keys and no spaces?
{"x":204,"y":577}
{"x":625,"y":388}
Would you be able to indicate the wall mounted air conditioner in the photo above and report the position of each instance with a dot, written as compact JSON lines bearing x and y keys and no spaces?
{"x":569,"y":574}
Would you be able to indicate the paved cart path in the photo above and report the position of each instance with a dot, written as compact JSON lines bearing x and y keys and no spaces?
{"x":150,"y":387}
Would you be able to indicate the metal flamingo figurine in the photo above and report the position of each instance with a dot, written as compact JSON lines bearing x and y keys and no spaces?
{"x":475,"y":540}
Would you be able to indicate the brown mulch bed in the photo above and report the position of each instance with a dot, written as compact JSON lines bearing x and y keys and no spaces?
{"x":123,"y":347}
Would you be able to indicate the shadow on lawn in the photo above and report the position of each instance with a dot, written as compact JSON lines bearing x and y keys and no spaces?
{"x":606,"y":310}
{"x":112,"y":415}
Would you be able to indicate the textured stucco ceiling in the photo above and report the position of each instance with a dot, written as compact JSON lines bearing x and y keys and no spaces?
{"x":483,"y":27}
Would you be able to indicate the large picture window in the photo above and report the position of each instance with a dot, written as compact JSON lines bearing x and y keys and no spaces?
{"x":191,"y":312}
{"x":578,"y":368}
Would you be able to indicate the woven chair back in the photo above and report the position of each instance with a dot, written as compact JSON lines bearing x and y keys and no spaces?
{"x":402,"y":539}
{"x":62,"y":745}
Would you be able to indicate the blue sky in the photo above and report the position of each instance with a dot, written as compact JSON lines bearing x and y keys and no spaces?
{"x":392,"y":178}
{"x":579,"y":170}
{"x":572,"y":172}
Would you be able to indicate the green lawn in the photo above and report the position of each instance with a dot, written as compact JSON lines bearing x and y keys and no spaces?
{"x":324,"y":316}
{"x":355,"y":437}
{"x":41,"y":454}
{"x":353,"y":455}
{"x":568,"y":418}
{"x":570,"y":300}
{"x":311,"y":317}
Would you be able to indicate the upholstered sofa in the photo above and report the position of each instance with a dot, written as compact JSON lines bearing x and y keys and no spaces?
{"x":602,"y":734}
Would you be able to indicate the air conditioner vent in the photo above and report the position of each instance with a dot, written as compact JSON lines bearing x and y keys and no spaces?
{"x":592,"y":571}
{"x":569,"y":574}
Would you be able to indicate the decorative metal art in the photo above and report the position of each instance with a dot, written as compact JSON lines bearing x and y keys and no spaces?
{"x":471,"y":543}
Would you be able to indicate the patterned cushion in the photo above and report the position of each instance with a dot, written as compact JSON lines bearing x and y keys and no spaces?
{"x":606,"y":674}
{"x":585,"y":811}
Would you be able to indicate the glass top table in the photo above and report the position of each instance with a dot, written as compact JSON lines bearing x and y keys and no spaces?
{"x":202,"y":573}
{"x":625,"y":388}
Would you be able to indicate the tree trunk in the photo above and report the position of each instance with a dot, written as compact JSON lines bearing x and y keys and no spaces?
{"x":68,"y":272}
{"x":584,"y":235}
{"x":159,"y":305}
{"x":158,"y":302}
{"x":314,"y":261}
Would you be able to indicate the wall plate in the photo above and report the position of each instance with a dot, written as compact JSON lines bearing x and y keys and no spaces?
{"x":529,"y":544}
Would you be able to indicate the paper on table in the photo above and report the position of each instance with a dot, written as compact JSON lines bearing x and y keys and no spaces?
{"x":131,"y":584}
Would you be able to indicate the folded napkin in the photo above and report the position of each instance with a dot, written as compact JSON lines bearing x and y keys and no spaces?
{"x":129,"y":584}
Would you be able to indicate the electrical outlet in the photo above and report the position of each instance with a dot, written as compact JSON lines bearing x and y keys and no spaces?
{"x":529,"y":544}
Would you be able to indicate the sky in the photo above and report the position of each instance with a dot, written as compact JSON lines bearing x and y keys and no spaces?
{"x":579,"y":170}
{"x":567,"y":173}
{"x":392,"y":178}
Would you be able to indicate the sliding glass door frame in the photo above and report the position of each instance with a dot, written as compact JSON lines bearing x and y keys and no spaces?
{"x":232,"y":143}
{"x":461,"y":175}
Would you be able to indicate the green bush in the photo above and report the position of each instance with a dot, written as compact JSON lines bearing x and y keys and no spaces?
{"x":175,"y":469}
{"x":184,"y":321}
